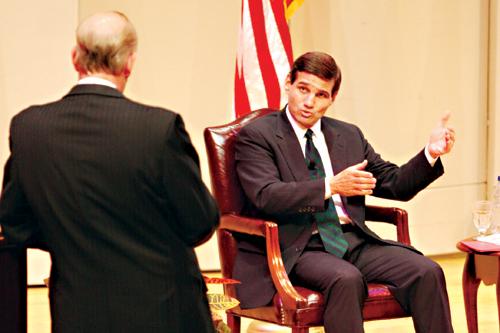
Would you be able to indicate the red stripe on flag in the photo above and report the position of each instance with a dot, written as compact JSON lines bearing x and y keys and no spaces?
{"x":241,"y":102}
{"x":265,"y":61}
{"x":279,"y":16}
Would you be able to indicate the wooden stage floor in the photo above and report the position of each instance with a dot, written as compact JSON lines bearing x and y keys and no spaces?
{"x":39,"y":317}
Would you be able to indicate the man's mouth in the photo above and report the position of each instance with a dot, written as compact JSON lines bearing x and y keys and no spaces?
{"x":306,"y":114}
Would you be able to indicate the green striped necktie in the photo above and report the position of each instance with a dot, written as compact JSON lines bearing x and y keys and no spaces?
{"x":327,"y":221}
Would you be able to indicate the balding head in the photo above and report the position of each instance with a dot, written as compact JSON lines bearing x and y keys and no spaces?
{"x":105,"y":42}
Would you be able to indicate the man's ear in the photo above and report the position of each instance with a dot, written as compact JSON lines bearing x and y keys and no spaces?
{"x":288,"y":83}
{"x":74,"y":60}
{"x":130,"y":64}
{"x":334,"y":96}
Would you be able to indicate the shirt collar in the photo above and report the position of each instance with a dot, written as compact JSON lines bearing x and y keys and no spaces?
{"x":96,"y":80}
{"x":300,"y":132}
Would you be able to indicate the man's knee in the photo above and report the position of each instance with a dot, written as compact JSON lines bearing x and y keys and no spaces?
{"x":431,"y":273}
{"x":434,"y":272}
{"x":349,"y":279}
{"x":347,"y":290}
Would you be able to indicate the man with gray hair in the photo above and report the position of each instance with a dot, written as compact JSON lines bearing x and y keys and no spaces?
{"x":113,"y":190}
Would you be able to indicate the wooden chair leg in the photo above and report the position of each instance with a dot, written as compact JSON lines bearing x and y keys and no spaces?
{"x":234,"y":322}
{"x":470,"y":284}
{"x":498,"y":289}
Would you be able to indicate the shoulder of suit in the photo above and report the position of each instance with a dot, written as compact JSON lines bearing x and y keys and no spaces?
{"x":339,"y":124}
{"x":151,"y":108}
{"x":269,"y":120}
{"x":153,"y":112}
{"x":31,"y":111}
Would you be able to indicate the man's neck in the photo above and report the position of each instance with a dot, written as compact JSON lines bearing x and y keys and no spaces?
{"x":298,"y":128}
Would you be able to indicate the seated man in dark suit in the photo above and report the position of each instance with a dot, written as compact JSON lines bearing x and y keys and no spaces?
{"x":311,"y":174}
{"x":114,"y":189}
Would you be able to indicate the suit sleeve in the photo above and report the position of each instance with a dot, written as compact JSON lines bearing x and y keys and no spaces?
{"x":260,"y":171}
{"x":400,"y":182}
{"x":195,"y":210}
{"x":17,"y":221}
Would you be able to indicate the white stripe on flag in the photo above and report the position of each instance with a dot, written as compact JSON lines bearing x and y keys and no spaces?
{"x":262,"y":62}
{"x":278,"y":52}
{"x":252,"y":74}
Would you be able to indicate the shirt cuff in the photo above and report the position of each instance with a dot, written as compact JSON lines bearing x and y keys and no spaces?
{"x":430,"y":159}
{"x":328,"y":191}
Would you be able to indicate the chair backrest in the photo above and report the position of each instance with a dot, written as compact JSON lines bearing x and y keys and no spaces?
{"x":226,"y":188}
{"x":219,"y":143}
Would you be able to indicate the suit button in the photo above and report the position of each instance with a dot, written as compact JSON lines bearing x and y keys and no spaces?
{"x":297,"y":249}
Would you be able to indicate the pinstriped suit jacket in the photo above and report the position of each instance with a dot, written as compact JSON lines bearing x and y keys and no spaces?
{"x":114,"y":189}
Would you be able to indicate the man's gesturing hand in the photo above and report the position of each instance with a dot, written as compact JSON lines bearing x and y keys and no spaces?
{"x":442,"y":137}
{"x":353,"y":181}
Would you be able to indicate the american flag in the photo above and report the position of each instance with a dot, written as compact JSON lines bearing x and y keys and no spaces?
{"x":264,"y":54}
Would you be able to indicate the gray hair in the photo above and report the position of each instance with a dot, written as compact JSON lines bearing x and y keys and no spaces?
{"x":104,"y":43}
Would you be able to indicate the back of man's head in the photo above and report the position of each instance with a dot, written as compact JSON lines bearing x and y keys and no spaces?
{"x":104,"y":43}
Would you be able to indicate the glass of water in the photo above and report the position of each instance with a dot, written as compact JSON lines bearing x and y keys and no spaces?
{"x":482,"y":216}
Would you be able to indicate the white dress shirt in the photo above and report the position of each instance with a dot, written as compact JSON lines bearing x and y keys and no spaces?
{"x":96,"y":80}
{"x":320,"y":144}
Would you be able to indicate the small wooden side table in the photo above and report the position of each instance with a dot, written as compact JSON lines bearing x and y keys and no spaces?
{"x":479,"y":266}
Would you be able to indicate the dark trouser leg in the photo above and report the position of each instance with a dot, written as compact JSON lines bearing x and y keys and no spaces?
{"x":339,"y":281}
{"x":417,"y":282}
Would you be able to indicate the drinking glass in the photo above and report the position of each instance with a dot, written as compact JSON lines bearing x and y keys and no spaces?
{"x":482,"y":216}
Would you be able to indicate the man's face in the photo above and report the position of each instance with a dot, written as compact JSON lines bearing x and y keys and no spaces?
{"x":308,"y":98}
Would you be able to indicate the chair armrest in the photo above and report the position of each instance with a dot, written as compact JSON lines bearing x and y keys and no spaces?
{"x":244,"y":225}
{"x":290,"y":297}
{"x":393,"y":215}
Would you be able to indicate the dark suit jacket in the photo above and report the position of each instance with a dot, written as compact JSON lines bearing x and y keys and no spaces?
{"x":114,"y":189}
{"x":272,"y":171}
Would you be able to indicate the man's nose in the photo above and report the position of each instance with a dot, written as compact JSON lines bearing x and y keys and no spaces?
{"x":309,"y":101}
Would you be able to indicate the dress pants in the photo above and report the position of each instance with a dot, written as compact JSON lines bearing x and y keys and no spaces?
{"x":416,"y":282}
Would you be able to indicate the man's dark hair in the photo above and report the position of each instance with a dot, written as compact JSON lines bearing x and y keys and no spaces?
{"x":320,"y":64}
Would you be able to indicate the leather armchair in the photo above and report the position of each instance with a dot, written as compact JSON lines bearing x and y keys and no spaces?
{"x":293,"y":306}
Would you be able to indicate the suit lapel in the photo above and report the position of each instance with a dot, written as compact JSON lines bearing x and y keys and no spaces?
{"x":290,"y":147}
{"x":336,"y":145}
{"x":337,"y":148}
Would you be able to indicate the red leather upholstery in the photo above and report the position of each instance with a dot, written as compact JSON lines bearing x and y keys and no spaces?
{"x":293,"y":306}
